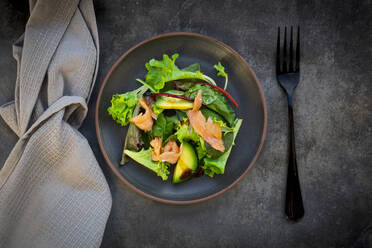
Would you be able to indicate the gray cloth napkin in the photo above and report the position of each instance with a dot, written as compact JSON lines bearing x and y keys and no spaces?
{"x":52,"y":190}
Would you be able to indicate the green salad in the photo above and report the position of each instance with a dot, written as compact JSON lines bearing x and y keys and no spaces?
{"x":177,"y":117}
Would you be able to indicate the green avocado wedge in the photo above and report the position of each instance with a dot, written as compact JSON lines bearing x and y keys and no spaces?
{"x":165,"y":102}
{"x":186,"y":165}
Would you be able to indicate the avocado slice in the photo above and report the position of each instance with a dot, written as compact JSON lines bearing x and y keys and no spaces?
{"x":186,"y":165}
{"x":166,"y":102}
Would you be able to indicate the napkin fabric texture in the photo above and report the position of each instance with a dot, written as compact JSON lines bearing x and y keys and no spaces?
{"x":52,"y":190}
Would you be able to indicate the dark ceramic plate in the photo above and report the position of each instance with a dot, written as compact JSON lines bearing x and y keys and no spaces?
{"x":243,"y":86}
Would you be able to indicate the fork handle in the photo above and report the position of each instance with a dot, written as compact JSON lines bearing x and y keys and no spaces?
{"x":294,"y":208}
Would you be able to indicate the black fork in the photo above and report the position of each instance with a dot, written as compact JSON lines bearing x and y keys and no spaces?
{"x":288,"y":76}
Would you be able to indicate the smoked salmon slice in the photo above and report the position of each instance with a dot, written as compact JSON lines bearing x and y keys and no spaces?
{"x":171,"y":152}
{"x":209,"y":131}
{"x":156,"y":144}
{"x":144,"y":121}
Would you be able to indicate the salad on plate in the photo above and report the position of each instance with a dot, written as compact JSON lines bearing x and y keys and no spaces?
{"x":178,"y":117}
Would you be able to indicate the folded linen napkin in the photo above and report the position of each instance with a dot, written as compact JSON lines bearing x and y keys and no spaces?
{"x":52,"y":191}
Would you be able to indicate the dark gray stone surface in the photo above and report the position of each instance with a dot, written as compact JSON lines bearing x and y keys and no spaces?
{"x":333,"y":121}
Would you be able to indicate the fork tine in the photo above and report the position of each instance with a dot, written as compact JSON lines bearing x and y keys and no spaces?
{"x":298,"y":50}
{"x":285,"y":51}
{"x":278,"y":53}
{"x":291,"y":51}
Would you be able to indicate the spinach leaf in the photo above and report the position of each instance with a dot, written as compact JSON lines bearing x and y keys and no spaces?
{"x":164,"y":126}
{"x":160,"y":126}
{"x":181,"y":115}
{"x":210,"y":113}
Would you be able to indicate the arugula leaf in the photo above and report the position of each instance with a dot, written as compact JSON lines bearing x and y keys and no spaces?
{"x":144,"y":157}
{"x":161,"y":71}
{"x":214,"y":101}
{"x":122,"y":105}
{"x":222,"y":73}
{"x":164,"y":126}
{"x":217,"y":165}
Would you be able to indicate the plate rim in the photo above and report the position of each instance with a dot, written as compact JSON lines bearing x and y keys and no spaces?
{"x":98,"y":133}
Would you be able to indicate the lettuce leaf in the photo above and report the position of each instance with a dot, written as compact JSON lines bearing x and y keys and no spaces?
{"x":225,"y":129}
{"x":185,"y":133}
{"x":144,"y":157}
{"x":122,"y":105}
{"x":221,"y":72}
{"x":213,"y":166}
{"x":201,"y":150}
{"x":193,"y":67}
{"x":161,"y":71}
{"x":214,"y":101}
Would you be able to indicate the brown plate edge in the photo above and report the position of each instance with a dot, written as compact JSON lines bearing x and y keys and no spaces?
{"x":117,"y":173}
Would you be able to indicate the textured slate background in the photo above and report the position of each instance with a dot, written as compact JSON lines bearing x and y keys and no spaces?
{"x":333,"y":121}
